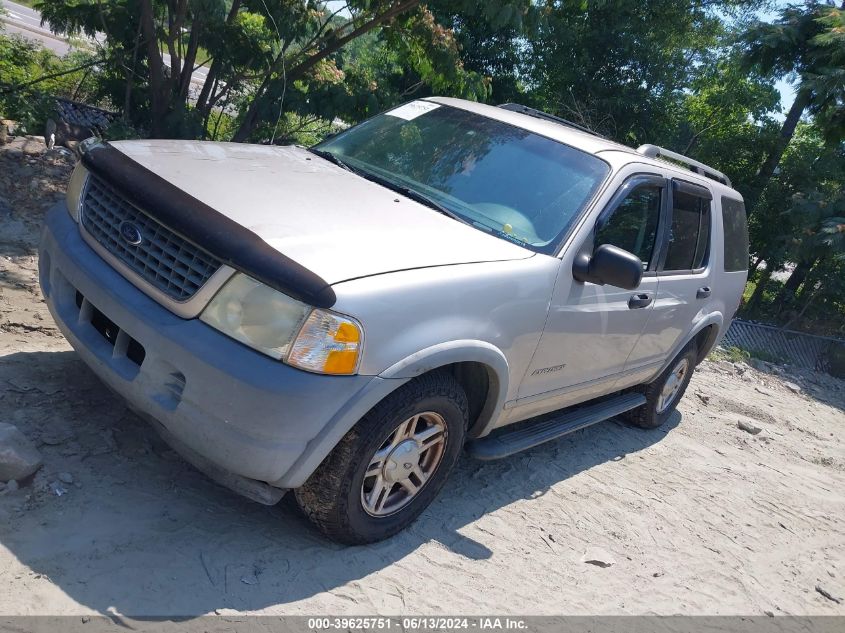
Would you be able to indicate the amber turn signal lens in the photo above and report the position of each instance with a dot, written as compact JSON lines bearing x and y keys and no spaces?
{"x":328,"y":343}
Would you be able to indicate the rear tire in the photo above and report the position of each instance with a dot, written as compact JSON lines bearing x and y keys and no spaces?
{"x":664,"y":393}
{"x":390,"y":466}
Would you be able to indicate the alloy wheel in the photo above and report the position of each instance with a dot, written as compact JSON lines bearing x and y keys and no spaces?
{"x":403,"y":464}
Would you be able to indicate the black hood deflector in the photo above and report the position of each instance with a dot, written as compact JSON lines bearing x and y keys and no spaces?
{"x":206,"y":227}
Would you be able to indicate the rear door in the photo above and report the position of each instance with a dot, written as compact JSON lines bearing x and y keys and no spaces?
{"x":684,"y":273}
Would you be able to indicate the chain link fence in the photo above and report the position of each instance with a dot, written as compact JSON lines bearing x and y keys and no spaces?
{"x":821,"y":353}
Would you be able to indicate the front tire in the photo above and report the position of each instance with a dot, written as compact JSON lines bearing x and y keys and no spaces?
{"x":390,"y":466}
{"x":662,"y":395}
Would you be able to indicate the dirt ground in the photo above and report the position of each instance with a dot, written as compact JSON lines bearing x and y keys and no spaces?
{"x":699,"y":517}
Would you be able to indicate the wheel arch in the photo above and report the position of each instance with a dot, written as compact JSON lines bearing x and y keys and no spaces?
{"x":704,"y":335}
{"x":705,"y":340}
{"x":480,"y":367}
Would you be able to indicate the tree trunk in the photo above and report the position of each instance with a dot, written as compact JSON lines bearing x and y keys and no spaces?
{"x":158,"y":82}
{"x":812,"y":280}
{"x":800,"y":314}
{"x":787,"y":130}
{"x":786,"y":296}
{"x":130,"y":77}
{"x":190,"y":59}
{"x":757,"y":295}
{"x":216,"y":63}
{"x":251,"y":116}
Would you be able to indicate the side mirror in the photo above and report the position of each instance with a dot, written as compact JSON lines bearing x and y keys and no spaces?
{"x":609,"y":265}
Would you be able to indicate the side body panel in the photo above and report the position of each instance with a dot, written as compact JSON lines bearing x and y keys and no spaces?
{"x":416,"y":320}
{"x":689,"y":302}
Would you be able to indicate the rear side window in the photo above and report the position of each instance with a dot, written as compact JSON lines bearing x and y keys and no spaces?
{"x":689,"y":236}
{"x":736,"y":235}
{"x":633,"y":225}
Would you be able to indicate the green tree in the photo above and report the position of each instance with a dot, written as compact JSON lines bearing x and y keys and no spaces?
{"x":30,"y":76}
{"x":258,"y":52}
{"x":409,"y":30}
{"x":798,"y":221}
{"x":622,"y":68}
{"x":806,"y":43}
{"x":725,"y":119}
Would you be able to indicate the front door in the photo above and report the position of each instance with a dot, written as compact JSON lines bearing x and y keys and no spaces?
{"x":591,"y":330}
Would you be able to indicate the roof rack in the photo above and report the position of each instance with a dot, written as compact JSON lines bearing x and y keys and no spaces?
{"x":654,"y":151}
{"x":539,"y":114}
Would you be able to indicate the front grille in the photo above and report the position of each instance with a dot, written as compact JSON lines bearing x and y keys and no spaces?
{"x":163,"y":259}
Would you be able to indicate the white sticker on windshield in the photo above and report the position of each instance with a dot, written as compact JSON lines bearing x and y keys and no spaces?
{"x":412,"y":110}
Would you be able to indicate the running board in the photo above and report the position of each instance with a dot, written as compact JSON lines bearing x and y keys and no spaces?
{"x":509,"y":441}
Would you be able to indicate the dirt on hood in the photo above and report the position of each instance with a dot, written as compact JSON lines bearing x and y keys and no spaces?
{"x":736,"y":506}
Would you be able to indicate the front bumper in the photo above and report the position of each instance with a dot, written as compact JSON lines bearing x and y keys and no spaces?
{"x":227,"y":408}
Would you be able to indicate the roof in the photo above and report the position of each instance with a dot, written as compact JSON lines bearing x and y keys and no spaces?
{"x":551,"y":129}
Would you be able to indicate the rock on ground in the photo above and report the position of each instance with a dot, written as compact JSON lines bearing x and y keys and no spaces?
{"x":18,"y":456}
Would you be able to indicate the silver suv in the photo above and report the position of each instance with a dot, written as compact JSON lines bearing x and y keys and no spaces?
{"x":343,"y":321}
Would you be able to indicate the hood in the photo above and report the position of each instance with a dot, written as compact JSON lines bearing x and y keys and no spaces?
{"x":331,"y":221}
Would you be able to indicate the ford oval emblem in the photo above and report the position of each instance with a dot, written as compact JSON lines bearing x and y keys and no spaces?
{"x":130,"y":233}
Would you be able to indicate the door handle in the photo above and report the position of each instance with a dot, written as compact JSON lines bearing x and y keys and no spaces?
{"x":640,"y":300}
{"x":703,"y":292}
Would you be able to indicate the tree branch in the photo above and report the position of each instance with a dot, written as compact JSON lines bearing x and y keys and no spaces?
{"x":61,"y":73}
{"x":298,"y":71}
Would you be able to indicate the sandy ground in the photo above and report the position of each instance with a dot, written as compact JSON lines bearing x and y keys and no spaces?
{"x":699,"y":517}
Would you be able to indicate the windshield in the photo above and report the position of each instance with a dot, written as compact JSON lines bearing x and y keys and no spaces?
{"x":499,"y":178}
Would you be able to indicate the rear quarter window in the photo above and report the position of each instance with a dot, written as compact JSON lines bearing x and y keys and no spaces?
{"x":736,"y":234}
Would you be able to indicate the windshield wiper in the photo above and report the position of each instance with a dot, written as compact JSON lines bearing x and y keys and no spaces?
{"x":414,"y":195}
{"x":332,"y":158}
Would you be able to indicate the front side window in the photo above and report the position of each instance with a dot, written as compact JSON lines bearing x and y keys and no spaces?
{"x":689,"y":236}
{"x":499,"y":178}
{"x":633,"y":224}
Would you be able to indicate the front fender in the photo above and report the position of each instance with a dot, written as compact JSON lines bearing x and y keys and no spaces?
{"x":391,"y":379}
{"x":462,"y":351}
{"x":339,"y":425}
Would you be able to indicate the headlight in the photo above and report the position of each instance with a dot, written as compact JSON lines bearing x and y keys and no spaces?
{"x":284,"y":328}
{"x":73,"y":198}
{"x":257,"y":315}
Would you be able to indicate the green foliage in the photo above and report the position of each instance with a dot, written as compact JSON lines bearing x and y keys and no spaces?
{"x":731,"y":354}
{"x":697,"y":76}
{"x":725,"y":120}
{"x":621,"y":67}
{"x":806,"y":44}
{"x":734,"y":354}
{"x":27,"y":99}
{"x":767,"y":356}
{"x":120,"y":130}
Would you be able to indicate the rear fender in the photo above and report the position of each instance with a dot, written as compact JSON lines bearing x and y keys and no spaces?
{"x":714,"y":318}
